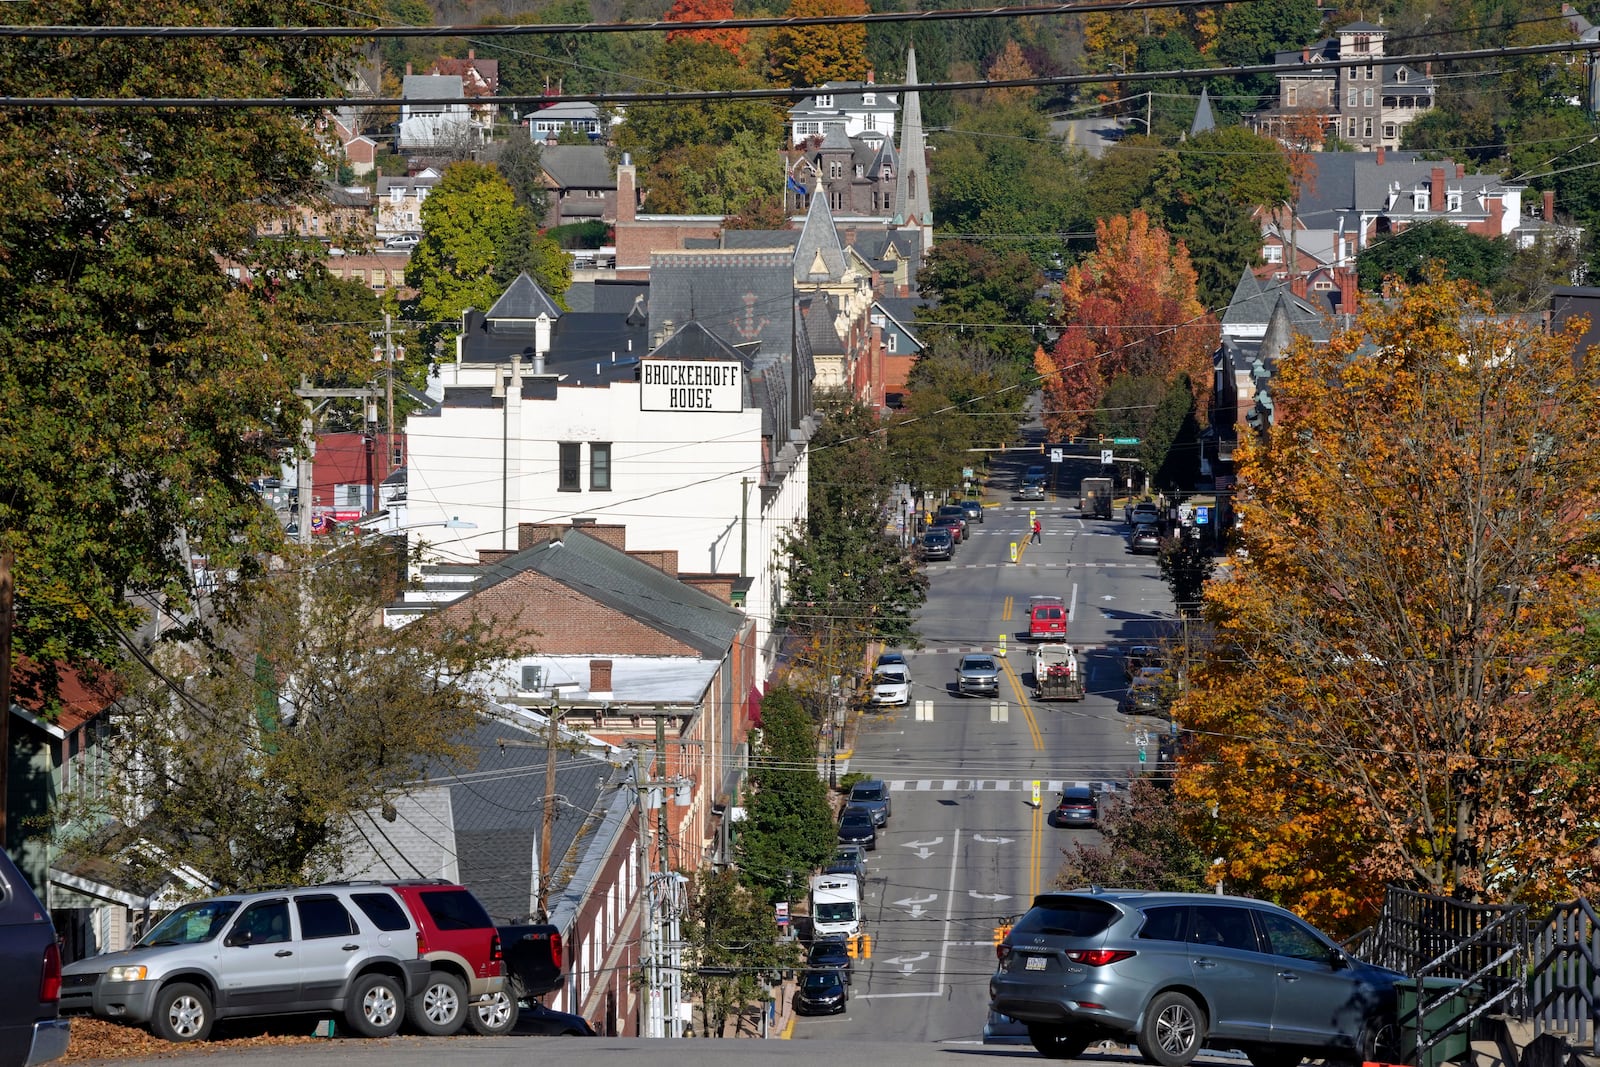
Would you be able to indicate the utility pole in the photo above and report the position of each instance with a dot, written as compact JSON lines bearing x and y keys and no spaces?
{"x":388,"y":353}
{"x":547,"y":822}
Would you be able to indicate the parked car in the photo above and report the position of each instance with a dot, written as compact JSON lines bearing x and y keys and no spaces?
{"x":1147,"y":512}
{"x":955,"y":524}
{"x":978,"y":674}
{"x":955,"y":511}
{"x":31,"y":1028}
{"x":538,"y":1019}
{"x":857,"y":828}
{"x":892,"y":658}
{"x":1079,"y":806}
{"x":1138,"y":657}
{"x":1003,"y":1030}
{"x":533,"y":962}
{"x":973,"y":507}
{"x":1179,"y":972}
{"x":820,"y":993}
{"x":462,"y":947}
{"x":937,"y":543}
{"x":1144,"y":540}
{"x":351,"y":949}
{"x":1149,"y":693}
{"x":848,"y":859}
{"x":830,"y":953}
{"x":1029,"y":491}
{"x":405,"y":241}
{"x":872,"y":794}
{"x":891,"y":686}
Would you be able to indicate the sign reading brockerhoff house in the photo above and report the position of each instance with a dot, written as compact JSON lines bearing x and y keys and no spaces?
{"x":690,"y":385}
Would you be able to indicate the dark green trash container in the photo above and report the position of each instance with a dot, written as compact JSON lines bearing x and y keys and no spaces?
{"x":1441,"y":1014}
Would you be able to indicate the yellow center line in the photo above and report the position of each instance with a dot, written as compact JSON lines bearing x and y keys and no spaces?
{"x":1005,"y":611}
{"x":1021,"y":693}
{"x":1036,"y":856}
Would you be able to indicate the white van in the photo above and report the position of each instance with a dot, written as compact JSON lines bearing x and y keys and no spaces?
{"x":835,"y":905}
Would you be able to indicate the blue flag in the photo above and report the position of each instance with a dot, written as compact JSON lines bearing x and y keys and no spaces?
{"x":799,"y":190}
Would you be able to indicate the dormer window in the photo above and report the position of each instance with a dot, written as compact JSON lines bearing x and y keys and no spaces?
{"x":1400,"y":75}
{"x":1419,"y":200}
{"x":825,"y":100}
{"x":869,"y":99}
{"x":1452,"y":200}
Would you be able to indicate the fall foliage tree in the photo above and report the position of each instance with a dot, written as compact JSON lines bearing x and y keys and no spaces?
{"x":142,"y":387}
{"x":816,"y":55}
{"x":1395,"y":692}
{"x":1009,"y":65}
{"x":1129,"y":310}
{"x":732,"y":39}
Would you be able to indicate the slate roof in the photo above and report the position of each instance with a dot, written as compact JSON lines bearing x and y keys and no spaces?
{"x":739,"y":295}
{"x":627,"y":584}
{"x":847,"y":97}
{"x":903,"y":310}
{"x":430,"y":87}
{"x":817,"y":255}
{"x":578,"y":166}
{"x":608,"y":295}
{"x":692,"y":341}
{"x":521,"y":303}
{"x":1254,"y":304}
{"x":1342,"y":182}
{"x":817,"y":313}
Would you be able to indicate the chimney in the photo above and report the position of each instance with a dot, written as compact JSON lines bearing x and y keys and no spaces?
{"x":1436,"y":195}
{"x":541,"y":342}
{"x":1461,"y":170}
{"x":599,"y":679}
{"x":1380,"y":155}
{"x":627,"y":196}
{"x":1297,"y":284}
{"x":472,"y":53}
{"x":1549,"y":205}
{"x":408,"y":68}
{"x":1349,"y":293}
{"x":869,"y":76}
{"x":1305,"y":55}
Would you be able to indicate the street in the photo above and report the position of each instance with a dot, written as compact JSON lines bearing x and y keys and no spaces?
{"x":967,"y":848}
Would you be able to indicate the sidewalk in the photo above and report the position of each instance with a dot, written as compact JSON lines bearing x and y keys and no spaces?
{"x":779,"y":1017}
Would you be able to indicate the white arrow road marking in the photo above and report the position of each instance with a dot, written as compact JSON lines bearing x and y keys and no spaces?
{"x":916,"y":903}
{"x":905,"y":963}
{"x":923,"y":847}
{"x":996,"y":897}
{"x":1108,"y":597}
{"x":992,"y":840}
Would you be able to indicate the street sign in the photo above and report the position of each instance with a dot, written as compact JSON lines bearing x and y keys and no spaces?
{"x":782,"y":912}
{"x":1202,"y":515}
{"x":1055,"y":455}
{"x":1036,"y":798}
{"x":966,"y":472}
{"x":1106,"y":457}
{"x":1125,"y":440}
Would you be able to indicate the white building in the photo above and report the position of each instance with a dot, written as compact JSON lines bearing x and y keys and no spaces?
{"x":693,"y":444}
{"x":435,"y":125}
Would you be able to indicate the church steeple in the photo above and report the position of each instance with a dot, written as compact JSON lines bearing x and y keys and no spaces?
{"x":911,"y":208}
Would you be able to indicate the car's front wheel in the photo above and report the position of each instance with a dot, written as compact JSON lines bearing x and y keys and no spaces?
{"x":1057,"y":1042}
{"x":1174,"y":1030}
{"x":374,"y":1008}
{"x":182,"y":1013}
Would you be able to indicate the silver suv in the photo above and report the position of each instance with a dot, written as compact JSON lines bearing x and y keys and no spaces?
{"x":346,"y":949}
{"x":1178,"y":972}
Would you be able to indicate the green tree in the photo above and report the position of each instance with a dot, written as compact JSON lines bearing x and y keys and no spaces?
{"x":1251,"y":33}
{"x":847,"y":582}
{"x":733,"y":179}
{"x":814,"y":55}
{"x":573,"y":62}
{"x":1186,"y":566}
{"x":1223,"y":177}
{"x":734,"y":949}
{"x":961,"y":395}
{"x":1126,"y":177}
{"x":142,"y":387}
{"x":1412,"y":253}
{"x":788,"y":831}
{"x":978,"y":292}
{"x":519,"y":162}
{"x":248,"y":758}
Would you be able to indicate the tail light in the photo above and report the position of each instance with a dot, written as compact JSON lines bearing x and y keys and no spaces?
{"x":1098,"y":957}
{"x":555,"y":950}
{"x":1001,"y":951}
{"x":496,"y":950}
{"x":422,"y":941}
{"x":50,"y":980}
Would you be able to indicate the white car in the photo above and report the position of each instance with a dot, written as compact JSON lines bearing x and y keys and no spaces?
{"x":405,"y":241}
{"x":891,"y":685}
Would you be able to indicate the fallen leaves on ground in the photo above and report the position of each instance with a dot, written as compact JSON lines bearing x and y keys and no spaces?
{"x":97,"y":1039}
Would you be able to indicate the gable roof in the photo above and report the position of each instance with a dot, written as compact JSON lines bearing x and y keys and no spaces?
{"x":577,"y":166}
{"x":817,"y":255}
{"x":431,"y":87}
{"x":522,"y":302}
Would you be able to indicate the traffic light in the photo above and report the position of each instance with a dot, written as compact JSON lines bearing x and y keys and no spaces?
{"x":1001,"y":931}
{"x":866,"y":946}
{"x":1041,"y":448}
{"x":850,"y":946}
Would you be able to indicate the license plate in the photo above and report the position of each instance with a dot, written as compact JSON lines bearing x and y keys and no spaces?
{"x":1035,"y":963}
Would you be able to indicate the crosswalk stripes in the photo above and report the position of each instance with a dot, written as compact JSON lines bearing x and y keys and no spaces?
{"x":994,"y":785}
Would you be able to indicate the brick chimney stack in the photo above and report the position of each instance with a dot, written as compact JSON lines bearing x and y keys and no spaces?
{"x":600,"y":679}
{"x":627,"y":197}
{"x":1298,"y":284}
{"x":1349,"y":291}
{"x":1436,"y":191}
{"x":1380,"y":155}
{"x":1550,"y":205}
{"x":1461,"y":170}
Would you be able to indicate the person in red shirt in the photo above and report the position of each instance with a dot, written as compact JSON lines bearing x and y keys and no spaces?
{"x":1038,"y":530}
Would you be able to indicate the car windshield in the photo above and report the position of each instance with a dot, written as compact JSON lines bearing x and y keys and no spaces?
{"x":821,"y":983}
{"x":835,"y":913}
{"x":1067,"y":917}
{"x":867,"y":792}
{"x":192,"y":924}
{"x":891,"y":675}
{"x":972,"y":664}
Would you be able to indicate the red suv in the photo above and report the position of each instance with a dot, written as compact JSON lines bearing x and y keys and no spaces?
{"x":459,"y":939}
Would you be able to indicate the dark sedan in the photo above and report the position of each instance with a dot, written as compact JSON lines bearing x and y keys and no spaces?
{"x":1078,"y":806}
{"x":856,"y":828}
{"x":820,"y":993}
{"x":538,"y":1019}
{"x":830,"y":954}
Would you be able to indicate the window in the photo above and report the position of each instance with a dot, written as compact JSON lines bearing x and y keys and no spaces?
{"x":600,"y":466}
{"x":892,"y":342}
{"x":1350,"y":129}
{"x":861,"y":171}
{"x":1366,"y":98}
{"x":1291,"y":96}
{"x":265,"y":923}
{"x":1368,"y":74}
{"x":869,"y":99}
{"x":1452,"y":200}
{"x":1366,"y":128}
{"x":570,"y":461}
{"x":1400,"y":75}
{"x":825,"y":101}
{"x":384,"y":909}
{"x":396,"y":194}
{"x":1272,"y":253}
{"x":836,"y":201}
{"x":323,"y":916}
{"x":836,"y":168}
{"x":1351,"y":97}
{"x":1388,"y":131}
{"x":1285,"y":937}
{"x":1163,"y":924}
{"x":1223,"y":927}
{"x":456,"y":909}
{"x":1419,"y":200}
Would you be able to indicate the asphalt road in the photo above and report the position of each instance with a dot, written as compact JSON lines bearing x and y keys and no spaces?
{"x":966,"y":847}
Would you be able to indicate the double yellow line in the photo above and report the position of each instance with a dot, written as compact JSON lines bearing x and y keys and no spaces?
{"x":1036,"y":839}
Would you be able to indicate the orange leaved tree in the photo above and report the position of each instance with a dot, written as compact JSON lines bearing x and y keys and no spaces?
{"x":731,"y":40}
{"x":1130,"y":318}
{"x":1400,"y":689}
